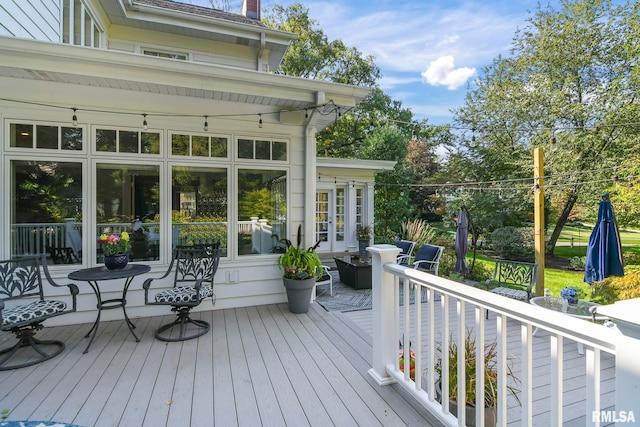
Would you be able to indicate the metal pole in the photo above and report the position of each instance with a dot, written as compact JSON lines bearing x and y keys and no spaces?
{"x":538,"y":217}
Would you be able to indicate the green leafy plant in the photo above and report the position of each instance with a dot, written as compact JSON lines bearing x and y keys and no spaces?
{"x":298,"y":263}
{"x":578,"y":262}
{"x":490,"y":371}
{"x":614,"y":288}
{"x":417,"y":230}
{"x":363,"y":231}
{"x":4,"y":414}
{"x":114,"y":244}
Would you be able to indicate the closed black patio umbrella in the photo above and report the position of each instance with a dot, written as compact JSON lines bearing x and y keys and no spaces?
{"x":604,"y":251}
{"x":462,"y":234}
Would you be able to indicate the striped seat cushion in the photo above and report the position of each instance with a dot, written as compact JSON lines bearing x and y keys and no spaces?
{"x":511,"y":293}
{"x":32,"y":311}
{"x":183,"y":294}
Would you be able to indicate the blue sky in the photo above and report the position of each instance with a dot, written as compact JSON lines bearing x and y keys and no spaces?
{"x":428,"y":51}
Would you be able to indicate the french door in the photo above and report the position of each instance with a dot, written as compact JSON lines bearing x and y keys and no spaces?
{"x":330,"y":216}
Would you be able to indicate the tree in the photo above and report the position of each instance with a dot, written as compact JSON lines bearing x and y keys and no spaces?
{"x":567,"y":84}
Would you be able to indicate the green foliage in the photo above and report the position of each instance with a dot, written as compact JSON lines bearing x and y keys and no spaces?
{"x":4,"y":414}
{"x":513,"y":243}
{"x":363,"y":231}
{"x":564,"y":87}
{"x":313,"y":56}
{"x":479,"y":271}
{"x":490,"y":371}
{"x":630,"y":258}
{"x":578,"y":262}
{"x":417,"y":230}
{"x":391,"y":202}
{"x":298,"y":263}
{"x":255,"y":203}
{"x":614,"y":288}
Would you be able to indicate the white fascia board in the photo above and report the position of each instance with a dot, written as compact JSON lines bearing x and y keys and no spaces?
{"x":353,"y":166}
{"x":105,"y":64}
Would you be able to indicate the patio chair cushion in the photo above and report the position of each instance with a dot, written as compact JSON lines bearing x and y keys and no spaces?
{"x":427,"y":253}
{"x":405,"y":246}
{"x":183,"y":294}
{"x":512,"y":293}
{"x":31,"y":311}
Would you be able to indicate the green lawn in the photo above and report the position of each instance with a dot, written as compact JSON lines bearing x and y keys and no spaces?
{"x":581,"y":235}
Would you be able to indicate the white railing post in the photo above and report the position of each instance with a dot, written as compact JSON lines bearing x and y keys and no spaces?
{"x":625,"y":315}
{"x":383,"y":312}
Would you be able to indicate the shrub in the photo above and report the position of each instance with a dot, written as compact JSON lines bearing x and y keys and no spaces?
{"x":480,"y":272}
{"x":513,"y":243}
{"x":614,"y":288}
{"x":417,"y":230}
{"x":630,"y":258}
{"x":578,"y":262}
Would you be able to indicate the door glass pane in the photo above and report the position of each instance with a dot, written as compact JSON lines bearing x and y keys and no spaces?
{"x":340,"y":212}
{"x":46,"y":210}
{"x":322,"y":216}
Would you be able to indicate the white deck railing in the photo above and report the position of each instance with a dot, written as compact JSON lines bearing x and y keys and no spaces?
{"x":451,"y":309}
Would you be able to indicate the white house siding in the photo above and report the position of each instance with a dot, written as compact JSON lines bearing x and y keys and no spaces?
{"x":34,"y":19}
{"x":258,"y":279}
{"x":128,"y":39}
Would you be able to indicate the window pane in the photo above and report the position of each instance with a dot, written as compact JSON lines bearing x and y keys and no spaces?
{"x":47,"y":137}
{"x":77,"y":13}
{"x":127,"y":192}
{"x":106,"y":140}
{"x":180,"y":145}
{"x":72,"y":138}
{"x":200,"y":146}
{"x":279,"y":150}
{"x":218,"y":147}
{"x":128,"y":141}
{"x":262,"y":210}
{"x":87,"y":30}
{"x":199,"y":206}
{"x":263,"y":150}
{"x":150,"y":142}
{"x":46,"y":210}
{"x":21,"y":135}
{"x":245,"y":149}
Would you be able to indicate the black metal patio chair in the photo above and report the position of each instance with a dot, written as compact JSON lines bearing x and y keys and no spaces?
{"x":195,"y":267}
{"x":24,"y":307}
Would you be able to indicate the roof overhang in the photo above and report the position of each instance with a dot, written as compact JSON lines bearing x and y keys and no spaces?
{"x":353,"y":167}
{"x":198,"y":22}
{"x":36,"y":60}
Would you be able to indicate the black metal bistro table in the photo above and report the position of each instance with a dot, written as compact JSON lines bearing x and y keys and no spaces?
{"x":96,"y":274}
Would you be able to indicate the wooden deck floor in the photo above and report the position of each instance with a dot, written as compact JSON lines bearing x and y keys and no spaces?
{"x":257,"y":366}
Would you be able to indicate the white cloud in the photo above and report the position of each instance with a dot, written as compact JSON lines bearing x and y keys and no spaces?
{"x":442,"y":72}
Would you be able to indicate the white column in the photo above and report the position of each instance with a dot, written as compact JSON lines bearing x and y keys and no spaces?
{"x":385,"y":351}
{"x":625,"y":315}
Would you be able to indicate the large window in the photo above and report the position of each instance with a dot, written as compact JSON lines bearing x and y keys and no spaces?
{"x":50,"y":137}
{"x":126,"y":194}
{"x":262,"y":210}
{"x":199,"y":206}
{"x":46,"y":210}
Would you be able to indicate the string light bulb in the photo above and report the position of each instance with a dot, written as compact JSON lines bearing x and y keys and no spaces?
{"x":145,"y":126}
{"x":74,"y":119}
{"x":206,"y":123}
{"x":260,"y":121}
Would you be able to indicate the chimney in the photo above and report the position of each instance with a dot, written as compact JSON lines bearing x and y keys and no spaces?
{"x":251,"y":9}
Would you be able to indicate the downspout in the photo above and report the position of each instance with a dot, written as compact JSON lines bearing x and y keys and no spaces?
{"x":310,"y":132}
{"x":261,"y":50}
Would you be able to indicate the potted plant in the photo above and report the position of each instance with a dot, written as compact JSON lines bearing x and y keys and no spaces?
{"x":490,"y":379}
{"x":363,"y":232}
{"x":116,"y":250}
{"x":301,"y":268}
